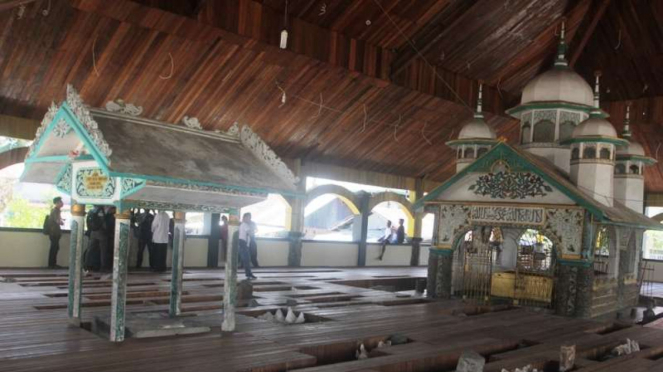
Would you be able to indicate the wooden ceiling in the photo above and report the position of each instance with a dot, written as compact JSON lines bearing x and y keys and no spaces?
{"x":384,"y":107}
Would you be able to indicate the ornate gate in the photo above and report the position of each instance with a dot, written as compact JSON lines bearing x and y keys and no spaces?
{"x":477,"y":255}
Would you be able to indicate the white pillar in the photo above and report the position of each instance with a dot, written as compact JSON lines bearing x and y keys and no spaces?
{"x":76,"y":263}
{"x":120,"y":257}
{"x":230,"y":285}
{"x":179,"y":235}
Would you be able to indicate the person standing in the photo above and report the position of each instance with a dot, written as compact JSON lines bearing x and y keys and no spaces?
{"x":224,"y":237}
{"x":160,"y":227}
{"x":98,"y":252}
{"x":145,"y":238}
{"x":110,"y":234}
{"x":400,"y":233}
{"x":54,"y":224}
{"x":253,"y":245}
{"x":244,"y":241}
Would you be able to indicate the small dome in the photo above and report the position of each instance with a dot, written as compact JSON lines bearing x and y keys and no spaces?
{"x":477,"y":129}
{"x":594,"y":127}
{"x":558,"y":84}
{"x":633,"y":148}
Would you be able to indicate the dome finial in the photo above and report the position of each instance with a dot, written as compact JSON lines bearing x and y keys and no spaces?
{"x":597,"y":102}
{"x":626,"y":133}
{"x":561,"y":61}
{"x":479,"y":113}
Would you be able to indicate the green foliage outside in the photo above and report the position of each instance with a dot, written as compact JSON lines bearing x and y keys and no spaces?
{"x":20,"y":213}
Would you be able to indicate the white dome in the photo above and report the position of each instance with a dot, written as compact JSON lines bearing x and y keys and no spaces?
{"x":558,"y":84}
{"x":594,"y":127}
{"x":633,"y":148}
{"x":477,"y":129}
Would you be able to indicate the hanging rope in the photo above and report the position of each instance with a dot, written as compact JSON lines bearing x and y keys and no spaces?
{"x":423,"y":133}
{"x":94,"y":56}
{"x":414,"y":47}
{"x":396,"y":127}
{"x":172,"y":68}
{"x":619,"y":40}
{"x":363,"y":129}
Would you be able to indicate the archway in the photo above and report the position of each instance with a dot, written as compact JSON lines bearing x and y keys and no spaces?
{"x":331,"y":216}
{"x":389,"y":211}
{"x":514,"y":264}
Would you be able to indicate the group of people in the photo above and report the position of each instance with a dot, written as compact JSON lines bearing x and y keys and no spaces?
{"x":392,"y":235}
{"x":153,"y":232}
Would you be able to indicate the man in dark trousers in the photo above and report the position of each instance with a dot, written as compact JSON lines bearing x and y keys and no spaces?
{"x":98,"y":244}
{"x":400,"y":233}
{"x":145,"y":237}
{"x":253,"y":245}
{"x":244,"y":241}
{"x":54,"y":224}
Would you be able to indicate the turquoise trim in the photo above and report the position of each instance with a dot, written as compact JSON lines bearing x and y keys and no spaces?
{"x":503,"y":151}
{"x":49,"y":159}
{"x":577,"y":263}
{"x":58,"y":178}
{"x":199,"y":183}
{"x":85,"y":137}
{"x":614,"y":141}
{"x":657,"y":226}
{"x":140,"y":183}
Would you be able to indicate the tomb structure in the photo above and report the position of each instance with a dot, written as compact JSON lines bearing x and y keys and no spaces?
{"x":113,"y":157}
{"x":555,"y":221}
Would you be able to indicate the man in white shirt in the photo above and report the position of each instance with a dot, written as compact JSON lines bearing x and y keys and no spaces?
{"x":244,"y":241}
{"x":160,"y":228}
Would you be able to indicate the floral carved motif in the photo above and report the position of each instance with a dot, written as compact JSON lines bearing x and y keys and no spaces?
{"x":510,"y":185}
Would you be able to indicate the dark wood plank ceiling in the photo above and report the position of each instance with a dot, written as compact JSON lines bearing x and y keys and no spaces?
{"x":226,"y":65}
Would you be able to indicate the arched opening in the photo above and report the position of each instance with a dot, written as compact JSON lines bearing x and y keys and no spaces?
{"x":605,"y":153}
{"x":526,"y":133}
{"x":606,"y":257}
{"x":620,"y":168}
{"x":482,"y":150}
{"x":634,"y":169}
{"x":575,"y":153}
{"x":589,"y":152}
{"x":272,"y":216}
{"x":393,"y":213}
{"x":427,"y":227}
{"x":566,"y":130}
{"x":535,"y":252}
{"x":544,"y":131}
{"x":469,"y":153}
{"x":459,"y":153}
{"x":331,"y":217}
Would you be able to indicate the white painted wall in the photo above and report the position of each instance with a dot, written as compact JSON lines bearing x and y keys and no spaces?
{"x":394,"y":255}
{"x":596,"y":179}
{"x":630,"y":191}
{"x":29,"y":248}
{"x":657,"y":275}
{"x":329,"y":254}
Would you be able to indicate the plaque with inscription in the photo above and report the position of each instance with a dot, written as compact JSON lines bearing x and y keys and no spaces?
{"x":93,"y":183}
{"x":507,"y":215}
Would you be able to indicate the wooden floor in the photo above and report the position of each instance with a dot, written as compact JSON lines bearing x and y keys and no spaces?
{"x":35,"y":335}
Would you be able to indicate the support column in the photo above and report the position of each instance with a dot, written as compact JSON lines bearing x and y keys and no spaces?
{"x":296,"y":221}
{"x":433,"y":261}
{"x":364,"y":200}
{"x":119,"y":291}
{"x":179,"y":236}
{"x":443,"y":275}
{"x":230,"y":284}
{"x":213,"y":242}
{"x":76,"y":263}
{"x":418,"y":217}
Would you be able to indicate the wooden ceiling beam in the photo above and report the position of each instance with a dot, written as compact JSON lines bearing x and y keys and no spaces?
{"x":429,"y":35}
{"x":594,"y":14}
{"x":11,"y":4}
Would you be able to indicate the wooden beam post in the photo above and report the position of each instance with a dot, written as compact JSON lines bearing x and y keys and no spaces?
{"x":230,"y":284}
{"x":213,"y":242}
{"x":179,"y":236}
{"x":364,"y":199}
{"x":297,"y":205}
{"x":76,"y":263}
{"x":119,"y":290}
{"x":418,"y":217}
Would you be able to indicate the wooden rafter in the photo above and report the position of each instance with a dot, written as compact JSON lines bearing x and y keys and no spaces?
{"x":595,"y":13}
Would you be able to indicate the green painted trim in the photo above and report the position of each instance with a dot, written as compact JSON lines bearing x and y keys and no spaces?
{"x":504,"y":151}
{"x":645,"y":159}
{"x":472,"y":141}
{"x":613,"y":140}
{"x":633,"y":225}
{"x":577,"y":263}
{"x":440,"y":252}
{"x":550,"y":105}
{"x":199,"y":183}
{"x":132,"y":190}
